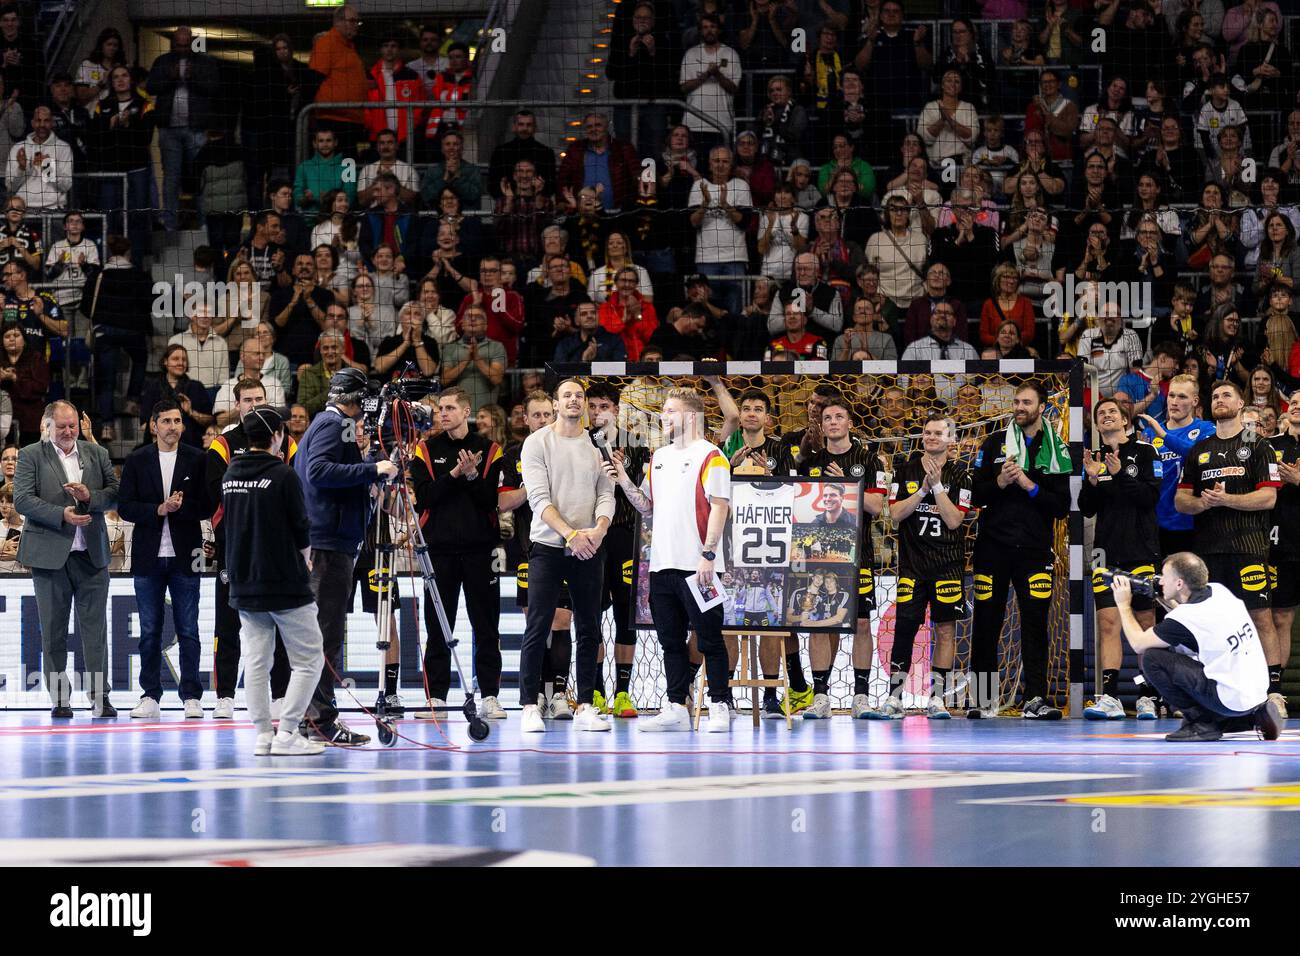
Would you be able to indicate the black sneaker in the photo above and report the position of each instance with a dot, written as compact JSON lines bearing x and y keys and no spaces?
{"x":61,"y":712}
{"x":338,"y":734}
{"x":1195,"y":732}
{"x":772,"y":709}
{"x":1268,"y":721}
{"x":103,"y":709}
{"x":1039,"y":709}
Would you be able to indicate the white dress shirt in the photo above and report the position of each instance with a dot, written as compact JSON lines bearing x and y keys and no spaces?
{"x":72,"y":469}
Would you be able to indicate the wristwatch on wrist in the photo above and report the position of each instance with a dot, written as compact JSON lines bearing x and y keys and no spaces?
{"x":709,"y":555}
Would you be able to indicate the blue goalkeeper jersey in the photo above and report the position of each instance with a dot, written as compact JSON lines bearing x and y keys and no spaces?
{"x":1173,"y":448}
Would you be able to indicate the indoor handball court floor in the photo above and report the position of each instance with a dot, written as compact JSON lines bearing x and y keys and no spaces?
{"x":913,"y":792}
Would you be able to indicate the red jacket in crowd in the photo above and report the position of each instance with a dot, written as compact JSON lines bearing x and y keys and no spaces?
{"x":407,"y":88}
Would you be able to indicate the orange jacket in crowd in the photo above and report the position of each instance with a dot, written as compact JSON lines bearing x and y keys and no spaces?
{"x":407,"y":88}
{"x":335,"y":57}
{"x":1022,"y":313}
{"x":635,"y":334}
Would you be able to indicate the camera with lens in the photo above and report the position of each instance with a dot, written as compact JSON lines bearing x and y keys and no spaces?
{"x":377,"y":403}
{"x":1142,"y":585}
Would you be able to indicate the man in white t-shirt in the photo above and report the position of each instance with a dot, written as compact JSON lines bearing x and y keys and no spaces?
{"x":408,"y":180}
{"x":1205,"y":658}
{"x":718,"y":206}
{"x":225,"y":406}
{"x":208,"y":352}
{"x":686,"y":493}
{"x":710,"y":77}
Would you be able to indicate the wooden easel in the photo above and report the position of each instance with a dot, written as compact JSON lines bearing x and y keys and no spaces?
{"x":750,"y":676}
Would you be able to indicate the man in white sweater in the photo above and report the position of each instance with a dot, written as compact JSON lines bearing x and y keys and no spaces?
{"x":40,"y":166}
{"x":573,"y":503}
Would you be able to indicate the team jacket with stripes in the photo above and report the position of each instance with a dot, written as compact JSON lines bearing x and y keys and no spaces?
{"x":456,"y":514}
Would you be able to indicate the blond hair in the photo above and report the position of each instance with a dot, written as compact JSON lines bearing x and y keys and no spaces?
{"x":688,"y":397}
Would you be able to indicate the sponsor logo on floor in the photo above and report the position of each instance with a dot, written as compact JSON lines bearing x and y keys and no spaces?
{"x":1274,"y":796}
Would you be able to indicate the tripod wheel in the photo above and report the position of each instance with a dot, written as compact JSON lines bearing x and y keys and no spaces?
{"x":478,"y":729}
{"x":385,"y":731}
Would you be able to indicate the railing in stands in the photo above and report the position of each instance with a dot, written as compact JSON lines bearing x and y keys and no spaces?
{"x":72,"y":16}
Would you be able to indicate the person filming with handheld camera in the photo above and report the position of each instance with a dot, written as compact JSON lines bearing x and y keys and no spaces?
{"x":1205,"y":658}
{"x":336,"y":487}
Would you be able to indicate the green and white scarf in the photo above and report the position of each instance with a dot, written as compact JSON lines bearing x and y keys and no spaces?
{"x":1053,"y":456}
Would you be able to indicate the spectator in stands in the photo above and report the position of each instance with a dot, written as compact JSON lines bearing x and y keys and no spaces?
{"x":331,"y":274}
{"x":680,"y":169}
{"x":618,"y":256}
{"x":709,"y":78}
{"x":297,"y":311}
{"x":1231,"y":171}
{"x":11,"y":529}
{"x":682,"y":334}
{"x":643,"y":65}
{"x":1244,"y":22}
{"x":388,"y":223}
{"x":1279,"y":258}
{"x":764,"y":41}
{"x":1095,"y":195}
{"x":388,"y":269}
{"x":718,"y":212}
{"x":122,"y":128}
{"x":818,"y":301}
{"x":226,"y":405}
{"x":475,"y":362}
{"x":919,"y":195}
{"x":628,"y":313}
{"x":549,"y":310}
{"x":23,"y":57}
{"x":754,"y":169}
{"x":1151,"y":263}
{"x":1137,"y":50}
{"x":244,"y":306}
{"x":1211,"y":230}
{"x":1061,"y":34}
{"x":842,"y":158}
{"x":453,"y":173}
{"x":965,"y":55}
{"x":1148,"y":117}
{"x":294,"y":232}
{"x":117,"y":302}
{"x":1225,"y":353}
{"x":299,"y":419}
{"x":340,"y":230}
{"x":452,"y":85}
{"x":71,"y":259}
{"x":1183,"y":170}
{"x":783,"y":232}
{"x":995,"y":156}
{"x":837,"y":258}
{"x":524,"y":145}
{"x":92,"y":76}
{"x":607,"y":165}
{"x":222,"y":192}
{"x":853,"y":115}
{"x":1099,"y":262}
{"x":1222,"y":289}
{"x":430,"y":62}
{"x":314,"y":380}
{"x":439,"y":321}
{"x":206,"y":352}
{"x":1148,"y":203}
{"x":521,"y":214}
{"x":410,"y":344}
{"x":968,"y":249}
{"x":1218,"y":111}
{"x":822,"y":69}
{"x":1116,"y":104}
{"x":1286,"y":154}
{"x":274,"y":365}
{"x":12,"y":121}
{"x":589,"y":342}
{"x":941,"y":344}
{"x":1272,"y":182}
{"x":266,"y":256}
{"x":183,"y":83}
{"x":782,"y":122}
{"x":448,"y":264}
{"x":322,"y":172}
{"x":897,"y":64}
{"x":369,"y":320}
{"x":271,"y":105}
{"x":407,"y":179}
{"x":175,"y":385}
{"x":866,"y":340}
{"x":868,"y":287}
{"x":1007,"y":345}
{"x":19,"y":241}
{"x":1006,"y":304}
{"x":898,"y":251}
{"x":796,"y":341}
{"x":503,"y":308}
{"x":1111,"y":348}
{"x":392,"y":82}
{"x":1211,"y":12}
{"x":39,"y":313}
{"x":1038,"y":165}
{"x":1051,"y":114}
{"x":800,"y":177}
{"x":334,"y":56}
{"x":980,"y":185}
{"x":25,"y":377}
{"x":938,"y":282}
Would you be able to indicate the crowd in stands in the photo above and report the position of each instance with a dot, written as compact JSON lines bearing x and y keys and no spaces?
{"x":865,"y":199}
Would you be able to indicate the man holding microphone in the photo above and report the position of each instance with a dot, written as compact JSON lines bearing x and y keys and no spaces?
{"x":572,"y":500}
{"x":336,"y":487}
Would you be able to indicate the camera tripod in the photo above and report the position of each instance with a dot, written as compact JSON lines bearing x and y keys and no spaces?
{"x":394,"y":494}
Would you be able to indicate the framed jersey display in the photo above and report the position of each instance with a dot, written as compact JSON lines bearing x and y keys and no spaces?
{"x":791,"y":553}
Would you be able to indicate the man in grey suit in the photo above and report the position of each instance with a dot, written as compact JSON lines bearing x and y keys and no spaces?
{"x":63,"y":487}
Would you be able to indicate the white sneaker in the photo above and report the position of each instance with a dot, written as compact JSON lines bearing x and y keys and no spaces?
{"x":225,"y":709}
{"x":193,"y":709}
{"x":1280,"y":701}
{"x":890,"y":709}
{"x":491,"y":709}
{"x":589,"y":718}
{"x":1146,"y":708}
{"x":558,"y":708}
{"x":936,"y":709}
{"x":147,"y":709}
{"x":861,"y":707}
{"x":263,"y":746}
{"x":719,"y":718}
{"x":532,"y":720}
{"x":820,"y":709}
{"x":1104,"y":707}
{"x":289,"y":744}
{"x":435,"y":712}
{"x":277,"y":707}
{"x":671,"y":717}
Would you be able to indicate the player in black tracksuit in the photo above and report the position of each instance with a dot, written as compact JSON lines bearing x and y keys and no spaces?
{"x":1121,"y":487}
{"x":855,"y":460}
{"x":455,"y":474}
{"x":620,"y":550}
{"x":1014,"y":548}
{"x":1229,"y":485}
{"x":1284,"y":551}
{"x":929,"y":499}
{"x":225,"y":664}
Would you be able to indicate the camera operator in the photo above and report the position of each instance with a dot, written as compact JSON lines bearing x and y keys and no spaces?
{"x":1205,"y":658}
{"x":458,"y":511}
{"x":336,"y":486}
{"x":266,"y":551}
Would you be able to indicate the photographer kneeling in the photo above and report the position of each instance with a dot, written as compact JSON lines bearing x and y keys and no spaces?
{"x":1205,"y":658}
{"x":270,"y":586}
{"x":336,"y":485}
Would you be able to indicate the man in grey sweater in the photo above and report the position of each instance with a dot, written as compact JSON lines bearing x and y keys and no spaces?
{"x":573,"y":502}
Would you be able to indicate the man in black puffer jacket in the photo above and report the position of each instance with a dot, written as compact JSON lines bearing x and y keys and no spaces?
{"x":267,"y":548}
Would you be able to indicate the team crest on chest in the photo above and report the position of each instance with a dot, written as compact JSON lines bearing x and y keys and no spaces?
{"x":1243,"y":453}
{"x":857,"y":471}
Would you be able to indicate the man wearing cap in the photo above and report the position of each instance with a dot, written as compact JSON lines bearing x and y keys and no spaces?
{"x":336,"y":487}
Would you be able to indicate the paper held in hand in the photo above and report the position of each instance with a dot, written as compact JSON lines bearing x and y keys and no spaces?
{"x":709,"y":594}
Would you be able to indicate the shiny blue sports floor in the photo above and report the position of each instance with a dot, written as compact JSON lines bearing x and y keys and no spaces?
{"x":913,"y":792}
